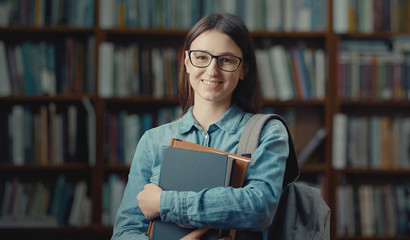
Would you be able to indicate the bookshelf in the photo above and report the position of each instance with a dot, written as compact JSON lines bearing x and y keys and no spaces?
{"x":94,"y":156}
{"x":373,"y":173}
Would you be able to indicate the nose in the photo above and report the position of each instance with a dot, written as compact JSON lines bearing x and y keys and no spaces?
{"x":213,"y":69}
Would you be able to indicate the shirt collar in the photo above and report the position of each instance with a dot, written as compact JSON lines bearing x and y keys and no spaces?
{"x":187,"y":122}
{"x":229,"y":121}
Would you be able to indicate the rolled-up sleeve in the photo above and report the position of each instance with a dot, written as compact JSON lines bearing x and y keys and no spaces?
{"x":251,"y":207}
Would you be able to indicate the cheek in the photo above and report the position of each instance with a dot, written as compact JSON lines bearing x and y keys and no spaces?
{"x":193,"y":78}
{"x":194,"y":72}
{"x":236,"y":78}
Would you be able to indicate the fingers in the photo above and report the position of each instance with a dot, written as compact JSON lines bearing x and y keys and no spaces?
{"x":196,"y":234}
{"x":152,"y":186}
{"x":149,"y":186}
{"x":149,"y":201}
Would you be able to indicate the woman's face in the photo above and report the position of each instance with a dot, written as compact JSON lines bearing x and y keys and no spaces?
{"x":211,"y":84}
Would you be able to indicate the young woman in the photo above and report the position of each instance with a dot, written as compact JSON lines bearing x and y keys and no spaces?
{"x":218,"y":88}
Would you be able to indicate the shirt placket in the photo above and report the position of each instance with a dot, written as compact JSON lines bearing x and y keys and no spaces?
{"x":207,"y":136}
{"x":205,"y":139}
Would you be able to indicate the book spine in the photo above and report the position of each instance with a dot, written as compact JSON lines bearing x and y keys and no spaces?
{"x":40,"y":204}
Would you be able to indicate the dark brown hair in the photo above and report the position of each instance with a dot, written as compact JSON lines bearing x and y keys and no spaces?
{"x":246,"y":94}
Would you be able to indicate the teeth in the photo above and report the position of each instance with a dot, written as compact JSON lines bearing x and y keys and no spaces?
{"x":210,"y":83}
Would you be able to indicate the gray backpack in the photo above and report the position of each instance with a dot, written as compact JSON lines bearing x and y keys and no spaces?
{"x":301,"y":212}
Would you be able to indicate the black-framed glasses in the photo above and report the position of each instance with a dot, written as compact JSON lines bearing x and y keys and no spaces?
{"x":202,"y":59}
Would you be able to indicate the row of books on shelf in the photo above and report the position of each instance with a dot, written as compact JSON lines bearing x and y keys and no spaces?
{"x":48,"y":134}
{"x":373,"y":210}
{"x":68,"y":67}
{"x":384,"y":76}
{"x":44,"y":203}
{"x":270,"y":15}
{"x":136,"y":70}
{"x":275,"y":15}
{"x":370,"y":16}
{"x":370,"y":70}
{"x":113,"y":189}
{"x":45,"y":68}
{"x":376,"y":142}
{"x":39,"y":13}
{"x":167,"y":14}
{"x":124,"y":129}
{"x":295,"y":73}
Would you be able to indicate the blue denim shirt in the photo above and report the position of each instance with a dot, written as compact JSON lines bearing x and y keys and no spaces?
{"x":250,"y":207}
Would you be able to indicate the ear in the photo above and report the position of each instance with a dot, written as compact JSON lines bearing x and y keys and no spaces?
{"x":244,"y":72}
{"x":186,"y":62}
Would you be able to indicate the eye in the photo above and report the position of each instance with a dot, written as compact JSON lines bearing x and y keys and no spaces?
{"x":226,"y":59}
{"x":201,"y":56}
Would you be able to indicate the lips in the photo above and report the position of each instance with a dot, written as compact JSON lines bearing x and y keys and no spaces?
{"x":211,"y":82}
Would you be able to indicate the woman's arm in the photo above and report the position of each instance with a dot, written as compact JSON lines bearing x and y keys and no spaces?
{"x":130,"y":223}
{"x":250,"y":207}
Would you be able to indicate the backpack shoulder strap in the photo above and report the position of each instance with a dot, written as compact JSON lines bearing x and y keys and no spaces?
{"x":249,"y":141}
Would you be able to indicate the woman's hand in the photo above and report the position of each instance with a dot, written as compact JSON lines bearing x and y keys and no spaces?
{"x":148,"y":200}
{"x":197,"y":233}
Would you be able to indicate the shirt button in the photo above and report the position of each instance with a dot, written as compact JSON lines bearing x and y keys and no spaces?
{"x":206,"y":136}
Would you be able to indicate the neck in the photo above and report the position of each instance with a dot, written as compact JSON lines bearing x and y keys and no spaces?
{"x":207,"y":114}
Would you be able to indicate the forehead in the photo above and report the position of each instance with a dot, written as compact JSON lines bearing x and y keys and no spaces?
{"x":216,"y":43}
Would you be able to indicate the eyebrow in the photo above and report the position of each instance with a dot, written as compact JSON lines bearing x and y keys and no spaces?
{"x":221,"y":54}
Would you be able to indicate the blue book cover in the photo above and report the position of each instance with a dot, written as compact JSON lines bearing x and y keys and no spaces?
{"x":29,"y":85}
{"x":190,"y":170}
{"x":407,"y":76}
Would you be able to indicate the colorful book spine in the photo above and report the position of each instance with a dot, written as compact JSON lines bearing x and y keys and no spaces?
{"x":124,"y":129}
{"x":374,"y":142}
{"x":42,"y":13}
{"x":42,"y":204}
{"x":369,"y":16}
{"x":372,"y":210}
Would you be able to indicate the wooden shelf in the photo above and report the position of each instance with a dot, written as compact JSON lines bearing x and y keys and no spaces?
{"x":367,"y":171}
{"x":61,"y":233}
{"x":375,"y":103}
{"x":313,"y":103}
{"x":47,"y":98}
{"x":143,"y":100}
{"x":117,"y":168}
{"x":376,"y":238}
{"x":261,"y":33}
{"x":45,"y":29}
{"x":375,"y":35}
{"x":313,"y":168}
{"x":152,"y":32}
{"x":37,"y":167}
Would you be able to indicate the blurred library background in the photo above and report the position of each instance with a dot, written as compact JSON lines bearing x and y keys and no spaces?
{"x":82,"y":80}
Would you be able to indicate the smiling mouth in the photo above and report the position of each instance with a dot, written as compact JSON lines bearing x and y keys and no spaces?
{"x":211,"y":82}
